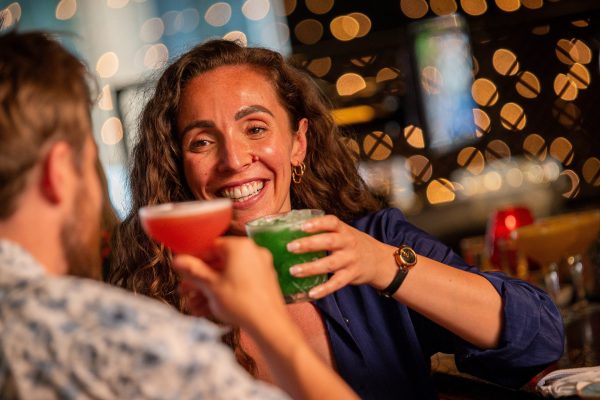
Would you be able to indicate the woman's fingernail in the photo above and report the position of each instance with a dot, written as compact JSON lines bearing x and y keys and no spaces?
{"x":295,"y":270}
{"x":293,"y":246}
{"x":314,"y":292}
{"x":307,"y":226}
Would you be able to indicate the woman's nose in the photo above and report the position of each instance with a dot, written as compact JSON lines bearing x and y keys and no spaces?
{"x":235,"y":155}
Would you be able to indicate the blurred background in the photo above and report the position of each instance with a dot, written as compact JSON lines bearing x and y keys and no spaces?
{"x":454,"y":108}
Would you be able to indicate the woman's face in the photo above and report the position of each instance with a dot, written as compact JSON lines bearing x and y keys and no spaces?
{"x":238,"y":142}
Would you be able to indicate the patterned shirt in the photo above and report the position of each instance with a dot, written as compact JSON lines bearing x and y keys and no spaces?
{"x":72,"y":338}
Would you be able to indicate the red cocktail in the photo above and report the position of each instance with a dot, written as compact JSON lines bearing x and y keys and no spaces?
{"x":188,"y":227}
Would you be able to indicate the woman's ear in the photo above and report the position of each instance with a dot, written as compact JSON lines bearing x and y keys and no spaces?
{"x":300,"y":142}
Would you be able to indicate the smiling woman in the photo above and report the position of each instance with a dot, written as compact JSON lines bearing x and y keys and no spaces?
{"x":237,"y":122}
{"x":231,"y":121}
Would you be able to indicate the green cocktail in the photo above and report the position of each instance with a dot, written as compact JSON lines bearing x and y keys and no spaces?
{"x":274,"y":232}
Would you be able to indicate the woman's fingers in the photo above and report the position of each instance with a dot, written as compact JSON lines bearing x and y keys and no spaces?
{"x":330,"y":241}
{"x":334,"y":283}
{"x":325,"y":223}
{"x":325,"y":265}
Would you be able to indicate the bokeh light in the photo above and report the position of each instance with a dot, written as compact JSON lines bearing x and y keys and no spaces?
{"x":319,"y":6}
{"x":508,"y":5}
{"x":112,"y":131}
{"x":471,"y":159}
{"x":105,"y":103}
{"x":565,"y":88}
{"x":579,"y":75}
{"x":512,"y":117}
{"x":218,"y":14}
{"x":474,"y":7}
{"x":152,"y":30}
{"x":377,"y":145}
{"x":492,"y":181}
{"x":309,"y":31}
{"x":482,"y":122}
{"x":156,"y":56}
{"x":420,"y":168}
{"x":188,"y":20}
{"x":107,"y":65}
{"x":386,"y":74}
{"x":484,"y":92}
{"x":344,"y":28}
{"x":534,"y":147}
{"x":562,"y":150}
{"x":414,"y":136}
{"x":65,"y":9}
{"x":497,"y":150}
{"x":505,"y":62}
{"x":256,"y":10}
{"x":440,"y":191}
{"x":591,"y":171}
{"x":364,"y":23}
{"x":443,"y":7}
{"x":414,"y":8}
{"x":319,"y":66}
{"x":349,"y":84}
{"x":532,"y":4}
{"x":528,"y":85}
{"x":237,"y":36}
{"x":574,"y":186}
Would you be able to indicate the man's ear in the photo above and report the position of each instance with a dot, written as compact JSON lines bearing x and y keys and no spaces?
{"x":58,"y":169}
{"x":300,"y":142}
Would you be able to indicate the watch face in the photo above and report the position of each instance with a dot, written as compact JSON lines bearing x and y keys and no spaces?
{"x":408,"y":256}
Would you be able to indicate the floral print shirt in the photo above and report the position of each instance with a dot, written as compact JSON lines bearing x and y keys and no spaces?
{"x":73,"y":338}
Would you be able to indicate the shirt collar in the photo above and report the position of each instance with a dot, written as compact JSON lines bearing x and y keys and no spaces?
{"x":16,"y":263}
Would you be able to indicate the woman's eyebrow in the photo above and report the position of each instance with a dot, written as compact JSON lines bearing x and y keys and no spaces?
{"x":251,"y":109}
{"x":199,"y":123}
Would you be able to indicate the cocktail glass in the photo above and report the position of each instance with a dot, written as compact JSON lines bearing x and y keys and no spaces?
{"x":274,"y":232}
{"x":589,"y":228}
{"x":187,"y":227}
{"x":547,"y":241}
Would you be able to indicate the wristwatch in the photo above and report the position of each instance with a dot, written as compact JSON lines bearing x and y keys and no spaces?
{"x":405,"y":258}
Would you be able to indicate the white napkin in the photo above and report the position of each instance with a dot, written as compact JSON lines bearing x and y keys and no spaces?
{"x":564,"y":382}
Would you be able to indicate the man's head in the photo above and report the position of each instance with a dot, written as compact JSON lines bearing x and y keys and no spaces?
{"x":47,"y":154}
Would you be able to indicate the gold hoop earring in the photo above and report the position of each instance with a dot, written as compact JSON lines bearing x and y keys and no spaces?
{"x":297,"y":172}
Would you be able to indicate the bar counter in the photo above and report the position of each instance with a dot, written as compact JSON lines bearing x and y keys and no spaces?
{"x":582,"y":349}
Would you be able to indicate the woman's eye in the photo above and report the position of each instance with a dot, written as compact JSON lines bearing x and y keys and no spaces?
{"x":198,"y":144}
{"x":256,"y":130}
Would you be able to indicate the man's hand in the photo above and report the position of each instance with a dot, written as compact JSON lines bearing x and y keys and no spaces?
{"x":236,"y":278}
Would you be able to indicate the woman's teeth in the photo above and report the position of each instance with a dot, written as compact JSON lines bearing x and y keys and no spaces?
{"x":243,"y":192}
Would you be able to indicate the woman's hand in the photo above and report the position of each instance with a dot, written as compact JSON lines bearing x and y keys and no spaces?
{"x":236,"y":280}
{"x":355,"y":258}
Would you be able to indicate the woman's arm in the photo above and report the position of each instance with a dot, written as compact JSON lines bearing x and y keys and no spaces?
{"x":241,"y":288}
{"x":462,"y":302}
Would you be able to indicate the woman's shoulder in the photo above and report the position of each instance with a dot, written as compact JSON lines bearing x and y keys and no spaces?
{"x":384,"y":215}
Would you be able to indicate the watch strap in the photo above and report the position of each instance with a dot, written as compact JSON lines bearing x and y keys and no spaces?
{"x":404,"y":264}
{"x":396,"y":282}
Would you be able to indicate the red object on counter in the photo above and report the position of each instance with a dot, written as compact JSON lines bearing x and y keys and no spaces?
{"x":500,"y":225}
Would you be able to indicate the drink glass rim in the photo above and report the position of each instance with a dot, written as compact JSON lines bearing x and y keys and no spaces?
{"x":184,"y":208}
{"x":252,"y":225}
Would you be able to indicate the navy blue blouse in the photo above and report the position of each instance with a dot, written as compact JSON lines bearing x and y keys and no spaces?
{"x":382,"y":348}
